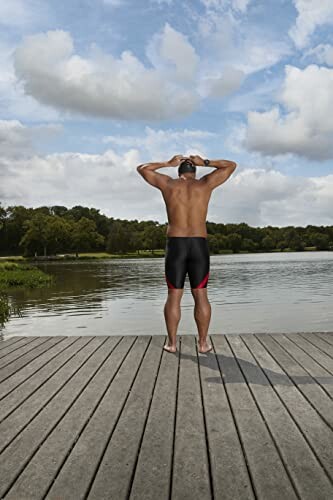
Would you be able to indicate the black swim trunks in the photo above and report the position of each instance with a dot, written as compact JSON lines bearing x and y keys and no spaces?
{"x":187,"y":254}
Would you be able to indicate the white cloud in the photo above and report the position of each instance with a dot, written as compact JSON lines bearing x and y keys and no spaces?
{"x":260,"y":197}
{"x":230,"y":43}
{"x":21,"y":13}
{"x":306,"y":127}
{"x":110,"y":182}
{"x":173,"y":47}
{"x":222,"y":85}
{"x":17,"y":140}
{"x":311,"y":13}
{"x":14,"y":102}
{"x":163,"y":144}
{"x":322,"y":52}
{"x":100,"y":85}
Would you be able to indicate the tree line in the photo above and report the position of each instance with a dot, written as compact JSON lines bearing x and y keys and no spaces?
{"x":57,"y":230}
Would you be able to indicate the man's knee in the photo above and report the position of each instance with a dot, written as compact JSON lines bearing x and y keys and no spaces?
{"x":199,"y":294}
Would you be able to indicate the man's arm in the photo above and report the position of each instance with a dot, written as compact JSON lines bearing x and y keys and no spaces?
{"x":147,"y":170}
{"x":224,"y":169}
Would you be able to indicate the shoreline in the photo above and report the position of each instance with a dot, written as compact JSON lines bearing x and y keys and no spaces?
{"x":142,"y":254}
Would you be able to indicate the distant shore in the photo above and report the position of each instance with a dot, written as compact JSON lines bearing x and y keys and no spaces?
{"x":133,"y":255}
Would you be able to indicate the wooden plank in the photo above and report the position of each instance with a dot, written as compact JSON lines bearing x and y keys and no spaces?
{"x":321,"y":358}
{"x":317,"y":433}
{"x":38,"y":475}
{"x":153,"y":469}
{"x":34,"y":366}
{"x":78,"y":470}
{"x":304,"y":381}
{"x":190,"y":473}
{"x":328,"y":337}
{"x":268,"y":382}
{"x":26,"y":358}
{"x":25,"y":413}
{"x":114,"y":474}
{"x":23,"y":341}
{"x":32,"y":384}
{"x":16,"y":356}
{"x":319,"y":343}
{"x":19,"y":452}
{"x":4,"y":342}
{"x":91,"y":418}
{"x":230,"y":475}
{"x":269,"y":476}
{"x":316,"y":371}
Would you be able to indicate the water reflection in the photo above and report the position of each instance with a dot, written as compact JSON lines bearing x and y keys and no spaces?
{"x":248,"y":293}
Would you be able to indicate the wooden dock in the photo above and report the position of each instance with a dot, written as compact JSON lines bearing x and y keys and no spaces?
{"x":118,"y":417}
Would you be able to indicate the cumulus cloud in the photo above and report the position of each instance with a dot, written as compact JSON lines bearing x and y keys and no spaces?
{"x":234,"y":46}
{"x":17,"y":140}
{"x":160,"y":145}
{"x":109,"y":181}
{"x":171,"y":48}
{"x":14,"y":102}
{"x":263,"y":197}
{"x":222,"y":85}
{"x":106,"y":180}
{"x":311,"y":13}
{"x":306,"y":126}
{"x":101,"y":85}
{"x":322,"y":52}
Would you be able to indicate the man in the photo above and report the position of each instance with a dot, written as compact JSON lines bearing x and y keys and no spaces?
{"x":187,"y":250}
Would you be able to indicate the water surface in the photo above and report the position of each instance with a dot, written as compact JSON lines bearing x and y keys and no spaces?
{"x":280,"y":292}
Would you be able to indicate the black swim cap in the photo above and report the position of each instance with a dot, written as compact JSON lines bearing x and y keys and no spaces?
{"x":186,"y":166}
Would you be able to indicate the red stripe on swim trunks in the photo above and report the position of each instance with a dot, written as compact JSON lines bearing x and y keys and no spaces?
{"x":170,"y":285}
{"x":204,"y":281}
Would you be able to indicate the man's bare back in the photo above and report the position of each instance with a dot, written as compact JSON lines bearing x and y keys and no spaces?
{"x":186,"y":203}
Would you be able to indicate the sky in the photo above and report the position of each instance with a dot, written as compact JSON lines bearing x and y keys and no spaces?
{"x":90,"y":89}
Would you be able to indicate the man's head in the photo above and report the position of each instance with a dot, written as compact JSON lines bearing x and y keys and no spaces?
{"x":187,"y":169}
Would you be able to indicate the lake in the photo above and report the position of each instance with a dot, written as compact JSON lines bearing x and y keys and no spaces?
{"x":249,"y":293}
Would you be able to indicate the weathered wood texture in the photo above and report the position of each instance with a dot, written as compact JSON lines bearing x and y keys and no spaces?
{"x":117,"y":417}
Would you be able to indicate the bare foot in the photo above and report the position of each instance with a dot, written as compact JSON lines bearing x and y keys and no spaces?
{"x":205,"y":347}
{"x":170,"y":348}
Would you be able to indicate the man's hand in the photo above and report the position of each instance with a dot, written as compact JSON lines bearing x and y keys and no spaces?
{"x":197,"y":160}
{"x":175,"y":160}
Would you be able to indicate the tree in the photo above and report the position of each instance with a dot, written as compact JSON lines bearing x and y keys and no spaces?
{"x":321,"y":241}
{"x":117,"y":239}
{"x":35,"y":236}
{"x":249,"y":245}
{"x":84,"y":236}
{"x":234,"y":242}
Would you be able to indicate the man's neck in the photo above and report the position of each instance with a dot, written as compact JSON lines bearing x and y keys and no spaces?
{"x":186,"y":178}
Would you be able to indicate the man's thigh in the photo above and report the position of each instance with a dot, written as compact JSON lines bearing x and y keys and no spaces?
{"x":176,"y":261}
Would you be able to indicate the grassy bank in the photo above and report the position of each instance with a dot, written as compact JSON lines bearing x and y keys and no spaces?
{"x":13,"y":274}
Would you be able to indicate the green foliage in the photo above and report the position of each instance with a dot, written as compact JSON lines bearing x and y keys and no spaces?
{"x":5,"y":309}
{"x":13,"y":274}
{"x":60,"y":230}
